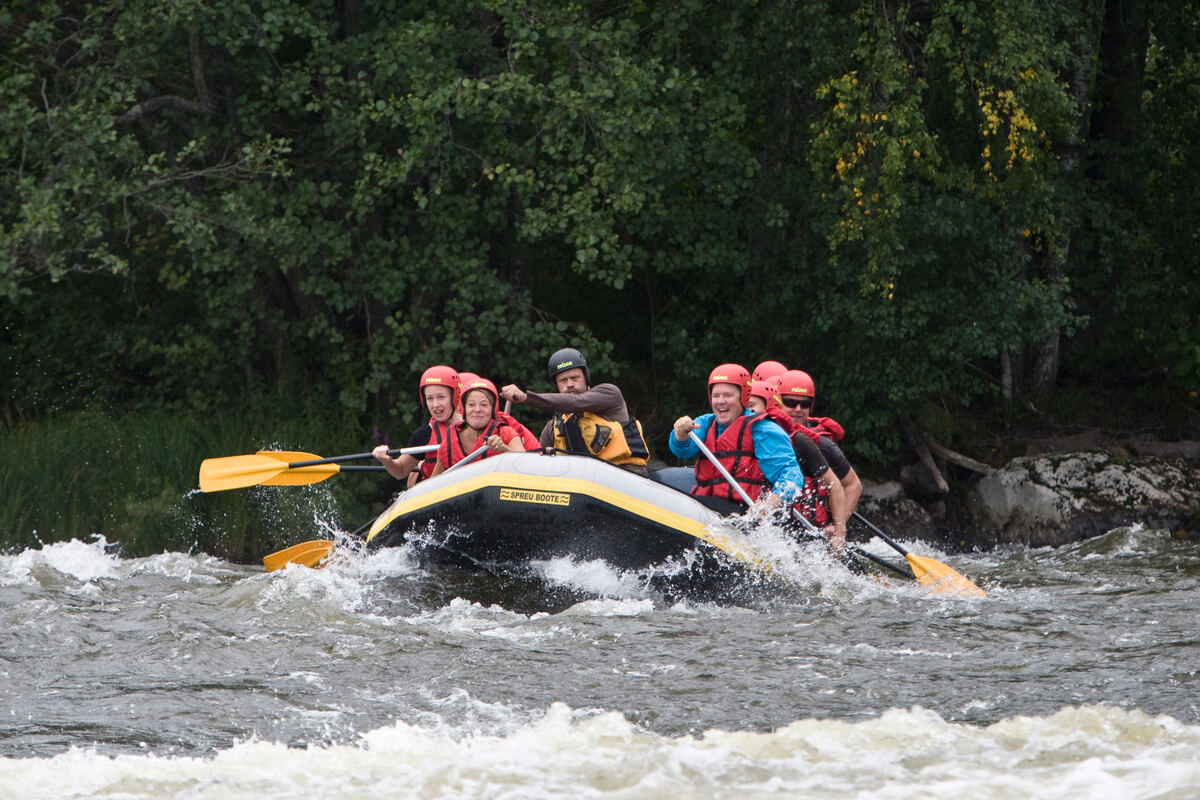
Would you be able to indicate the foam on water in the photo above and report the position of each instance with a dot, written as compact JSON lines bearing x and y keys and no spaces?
{"x":97,"y":560}
{"x":596,"y":577}
{"x":610,"y":608}
{"x":456,"y":699}
{"x":75,"y":559}
{"x":1081,"y":752}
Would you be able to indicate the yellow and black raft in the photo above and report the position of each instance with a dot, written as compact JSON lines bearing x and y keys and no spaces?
{"x":507,"y":513}
{"x":519,"y":508}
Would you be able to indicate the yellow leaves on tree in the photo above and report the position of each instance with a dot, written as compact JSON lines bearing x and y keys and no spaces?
{"x":1005,"y":119}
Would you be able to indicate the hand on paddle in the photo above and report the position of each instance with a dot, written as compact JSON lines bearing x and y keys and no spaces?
{"x":683,"y":426}
{"x":512,"y":393}
{"x":399,"y":468}
{"x":836,"y":534}
{"x":494,"y":442}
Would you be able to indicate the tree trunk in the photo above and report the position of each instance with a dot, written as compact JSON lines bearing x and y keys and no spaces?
{"x":1006,"y":375}
{"x":1046,"y":365}
{"x":1117,"y":99}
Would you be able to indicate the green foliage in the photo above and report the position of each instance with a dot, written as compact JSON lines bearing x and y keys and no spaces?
{"x":208,"y":204}
{"x":133,"y":480}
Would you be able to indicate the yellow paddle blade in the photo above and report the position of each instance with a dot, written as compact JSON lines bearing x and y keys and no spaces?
{"x":299,"y":476}
{"x":264,"y":467}
{"x":237,"y":472}
{"x":310,"y":554}
{"x":289,"y":456}
{"x":941,"y":579}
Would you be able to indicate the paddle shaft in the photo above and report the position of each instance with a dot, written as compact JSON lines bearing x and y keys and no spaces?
{"x":403,"y":451}
{"x":892,"y":542}
{"x":815,"y":534}
{"x":883,"y":562}
{"x":476,"y":453}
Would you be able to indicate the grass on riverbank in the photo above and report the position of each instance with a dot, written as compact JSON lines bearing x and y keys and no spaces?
{"x":133,"y":479}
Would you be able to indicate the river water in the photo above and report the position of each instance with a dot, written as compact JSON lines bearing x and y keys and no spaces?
{"x":185,"y":676}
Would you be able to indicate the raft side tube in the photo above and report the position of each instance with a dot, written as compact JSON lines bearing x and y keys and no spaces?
{"x":522,"y":506}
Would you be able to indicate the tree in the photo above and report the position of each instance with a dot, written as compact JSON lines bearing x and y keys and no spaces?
{"x":912,"y":201}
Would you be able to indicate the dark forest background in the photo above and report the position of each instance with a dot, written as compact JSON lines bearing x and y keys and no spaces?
{"x":224,"y":223}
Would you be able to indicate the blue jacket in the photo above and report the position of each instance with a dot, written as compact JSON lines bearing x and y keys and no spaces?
{"x":772,"y":449}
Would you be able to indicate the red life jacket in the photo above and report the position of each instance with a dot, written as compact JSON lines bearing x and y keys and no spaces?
{"x":452,"y":448}
{"x":527,"y":438}
{"x":734,"y":449}
{"x":437,"y":435}
{"x":813,"y":500}
{"x":780,"y":418}
{"x":827,"y":426}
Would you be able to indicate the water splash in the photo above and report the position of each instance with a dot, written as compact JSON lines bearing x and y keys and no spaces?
{"x":1088,"y":751}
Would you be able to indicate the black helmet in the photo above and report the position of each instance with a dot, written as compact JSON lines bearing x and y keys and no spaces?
{"x":568,"y":358}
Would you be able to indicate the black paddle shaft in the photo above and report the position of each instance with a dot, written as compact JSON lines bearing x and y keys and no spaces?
{"x":316,"y":462}
{"x":892,"y":542}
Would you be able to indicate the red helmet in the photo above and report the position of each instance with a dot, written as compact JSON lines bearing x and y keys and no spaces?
{"x":795,"y":383}
{"x":734,"y":374}
{"x":767,"y":369}
{"x":463,"y":379}
{"x":765,"y":388}
{"x":476,"y":382}
{"x":439,"y":376}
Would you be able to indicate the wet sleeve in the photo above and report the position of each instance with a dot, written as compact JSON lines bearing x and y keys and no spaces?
{"x":812,"y":463}
{"x":777,"y":460}
{"x":837,"y":460}
{"x":687,"y":448}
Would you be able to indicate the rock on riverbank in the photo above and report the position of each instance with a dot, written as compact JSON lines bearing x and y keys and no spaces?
{"x":1049,"y":500}
{"x":1064,"y":497}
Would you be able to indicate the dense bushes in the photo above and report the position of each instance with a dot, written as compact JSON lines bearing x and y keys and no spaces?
{"x":206,"y":204}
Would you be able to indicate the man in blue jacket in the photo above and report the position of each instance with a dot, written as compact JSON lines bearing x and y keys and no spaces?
{"x":753,"y":449}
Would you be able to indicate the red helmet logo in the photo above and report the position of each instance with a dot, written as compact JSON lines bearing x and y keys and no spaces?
{"x":796,"y":383}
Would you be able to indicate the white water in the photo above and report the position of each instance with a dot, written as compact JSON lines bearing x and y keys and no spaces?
{"x":261,"y":686}
{"x":1089,"y":752}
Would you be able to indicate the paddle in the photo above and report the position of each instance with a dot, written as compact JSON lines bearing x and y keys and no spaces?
{"x":815,"y":535}
{"x":312,"y":553}
{"x":930,"y":573}
{"x":309,"y":554}
{"x":281,"y":468}
{"x":737,"y":487}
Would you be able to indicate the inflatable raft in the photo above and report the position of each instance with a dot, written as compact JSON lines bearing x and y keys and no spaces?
{"x":503,"y":513}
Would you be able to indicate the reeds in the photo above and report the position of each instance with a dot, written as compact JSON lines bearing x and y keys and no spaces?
{"x":133,"y":480}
